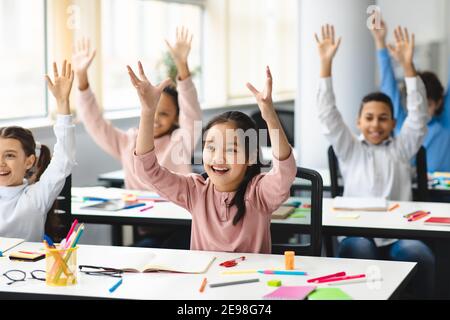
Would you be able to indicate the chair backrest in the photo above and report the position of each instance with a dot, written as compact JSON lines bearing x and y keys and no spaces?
{"x":59,"y":217}
{"x":419,"y":194}
{"x":314,"y":247}
{"x":287,"y":122}
{"x":333,"y":165}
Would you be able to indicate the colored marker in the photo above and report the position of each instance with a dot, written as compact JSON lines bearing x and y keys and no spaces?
{"x":334,"y":275}
{"x":358,"y":276}
{"x":134,"y":206}
{"x":114,"y":287}
{"x":283,"y":272}
{"x":395,"y":206}
{"x":231,"y":283}
{"x":203,"y":285}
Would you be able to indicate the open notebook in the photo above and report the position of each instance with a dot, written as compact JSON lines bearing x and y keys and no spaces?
{"x":175,"y":261}
{"x":8,"y":243}
{"x":360,"y":204}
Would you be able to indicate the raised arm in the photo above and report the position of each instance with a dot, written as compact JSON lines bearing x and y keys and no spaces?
{"x":388,"y":83}
{"x":44,"y":192}
{"x":109,"y":138}
{"x":445,"y":115}
{"x":282,"y":149}
{"x":190,"y":111}
{"x":175,"y":187}
{"x":415,"y":127}
{"x":180,"y":52}
{"x":336,"y":131}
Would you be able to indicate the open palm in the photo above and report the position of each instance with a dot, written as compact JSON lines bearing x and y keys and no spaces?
{"x":82,"y":55}
{"x":180,"y":50}
{"x":61,"y":86}
{"x":403,"y":50}
{"x":264,"y":98}
{"x":148,"y":94}
{"x":327,"y":46}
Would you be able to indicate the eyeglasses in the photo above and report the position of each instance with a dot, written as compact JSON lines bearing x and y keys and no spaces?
{"x":19,"y":275}
{"x":101,"y":271}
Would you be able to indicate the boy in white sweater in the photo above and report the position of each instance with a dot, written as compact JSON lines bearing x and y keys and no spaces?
{"x":376,"y":164}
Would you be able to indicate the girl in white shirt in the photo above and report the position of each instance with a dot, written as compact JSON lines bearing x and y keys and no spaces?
{"x":28,"y":187}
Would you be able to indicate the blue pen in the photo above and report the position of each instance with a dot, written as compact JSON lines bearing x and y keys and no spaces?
{"x":95,"y":199}
{"x":49,"y":241}
{"x":134,"y":206}
{"x":283,"y":272}
{"x":114,"y":287}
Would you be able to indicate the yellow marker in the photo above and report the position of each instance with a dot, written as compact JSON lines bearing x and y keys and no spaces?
{"x":240,"y":271}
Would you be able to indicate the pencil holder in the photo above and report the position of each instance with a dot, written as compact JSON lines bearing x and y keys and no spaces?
{"x":61,"y":267}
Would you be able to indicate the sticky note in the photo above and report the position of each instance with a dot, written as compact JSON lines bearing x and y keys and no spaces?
{"x":347,"y":215}
{"x":274,"y":283}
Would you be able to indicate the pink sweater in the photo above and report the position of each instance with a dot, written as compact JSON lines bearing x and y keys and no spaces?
{"x":121,"y":144}
{"x":212,"y":216}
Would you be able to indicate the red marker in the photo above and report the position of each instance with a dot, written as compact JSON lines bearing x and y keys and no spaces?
{"x":358,"y":276}
{"x":418,"y":216}
{"x":335,"y":275}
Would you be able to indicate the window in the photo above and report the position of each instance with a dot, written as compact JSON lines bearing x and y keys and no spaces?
{"x":260,"y":33}
{"x":136,"y":29}
{"x":22,"y":56}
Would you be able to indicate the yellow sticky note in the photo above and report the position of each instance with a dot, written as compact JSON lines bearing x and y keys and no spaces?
{"x":347,"y":215}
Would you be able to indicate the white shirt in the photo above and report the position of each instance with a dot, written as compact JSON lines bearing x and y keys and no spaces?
{"x":23,"y":209}
{"x":370,"y":170}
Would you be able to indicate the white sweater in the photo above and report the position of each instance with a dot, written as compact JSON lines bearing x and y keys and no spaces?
{"x":23,"y":209}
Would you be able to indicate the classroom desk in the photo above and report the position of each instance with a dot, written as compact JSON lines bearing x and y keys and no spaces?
{"x":163,"y":213}
{"x":178,"y":286}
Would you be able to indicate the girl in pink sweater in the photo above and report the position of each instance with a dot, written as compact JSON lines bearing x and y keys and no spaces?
{"x":177,"y":112}
{"x":231,"y":208}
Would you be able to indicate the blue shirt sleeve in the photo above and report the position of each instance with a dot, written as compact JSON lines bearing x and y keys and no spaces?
{"x":389,"y":86}
{"x":444,"y":117}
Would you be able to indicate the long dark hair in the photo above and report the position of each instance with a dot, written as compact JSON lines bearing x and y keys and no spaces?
{"x":244,"y":122}
{"x":26,"y":139}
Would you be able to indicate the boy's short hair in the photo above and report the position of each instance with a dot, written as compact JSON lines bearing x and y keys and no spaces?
{"x":435,"y":90}
{"x":379,"y":97}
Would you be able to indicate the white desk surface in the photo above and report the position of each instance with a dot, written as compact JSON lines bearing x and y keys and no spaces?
{"x":173,"y":286}
{"x":330,"y":217}
{"x":388,"y":220}
{"x":161,"y":210}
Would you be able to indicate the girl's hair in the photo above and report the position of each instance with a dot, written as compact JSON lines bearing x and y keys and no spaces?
{"x":172,"y":92}
{"x":434,"y":88}
{"x":26,"y":139}
{"x":244,"y":122}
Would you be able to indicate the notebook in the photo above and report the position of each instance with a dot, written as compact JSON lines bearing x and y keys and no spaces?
{"x":27,"y":256}
{"x":360,"y":204}
{"x":176,"y":261}
{"x":290,"y":293}
{"x":8,"y":243}
{"x":438,"y":221}
{"x":282,"y":212}
{"x":329,"y":294}
{"x":111,"y":205}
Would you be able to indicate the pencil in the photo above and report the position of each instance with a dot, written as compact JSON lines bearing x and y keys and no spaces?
{"x":222,"y":284}
{"x":203,"y":285}
{"x":395,"y":206}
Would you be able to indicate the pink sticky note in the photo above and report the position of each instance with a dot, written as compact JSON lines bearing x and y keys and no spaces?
{"x":290,"y":292}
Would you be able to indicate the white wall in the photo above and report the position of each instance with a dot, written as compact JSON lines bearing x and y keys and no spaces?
{"x":353,"y":71}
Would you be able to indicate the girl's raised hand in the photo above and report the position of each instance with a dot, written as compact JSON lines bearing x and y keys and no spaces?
{"x":180,"y":51}
{"x":82,"y":56}
{"x":264,"y":98}
{"x":61,"y":86}
{"x":327,"y":46}
{"x":148,"y":94}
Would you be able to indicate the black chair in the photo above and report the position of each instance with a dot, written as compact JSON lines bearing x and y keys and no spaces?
{"x":420,"y":193}
{"x":314,"y":247}
{"x":59,"y":217}
{"x":287,"y":122}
